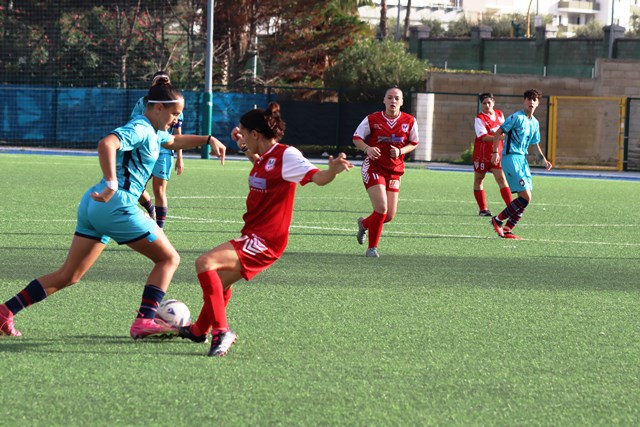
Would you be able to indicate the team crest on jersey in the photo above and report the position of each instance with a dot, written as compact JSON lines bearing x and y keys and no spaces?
{"x":521,"y":182}
{"x":270,"y":164}
{"x":405,"y":127}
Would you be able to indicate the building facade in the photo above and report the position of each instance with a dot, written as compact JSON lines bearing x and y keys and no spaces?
{"x":566,"y":14}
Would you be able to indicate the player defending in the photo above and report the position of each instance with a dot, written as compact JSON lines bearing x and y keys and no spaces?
{"x":385,"y":137}
{"x":277,"y":170}
{"x":520,"y":130}
{"x":485,"y":124}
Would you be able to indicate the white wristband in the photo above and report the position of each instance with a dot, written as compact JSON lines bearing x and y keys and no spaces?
{"x":113,"y":185}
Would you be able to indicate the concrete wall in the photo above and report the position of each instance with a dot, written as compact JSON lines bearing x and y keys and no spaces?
{"x":455,"y":105}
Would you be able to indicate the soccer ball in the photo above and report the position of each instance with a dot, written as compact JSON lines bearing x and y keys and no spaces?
{"x":174,"y":312}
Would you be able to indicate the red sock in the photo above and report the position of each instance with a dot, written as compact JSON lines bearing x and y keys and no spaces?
{"x":481,"y":198}
{"x":506,"y":195}
{"x":214,"y":306}
{"x":376,"y":220}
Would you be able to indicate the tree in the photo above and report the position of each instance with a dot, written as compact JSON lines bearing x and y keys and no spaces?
{"x":368,"y":67}
{"x":436,"y":28}
{"x":383,"y":19}
{"x":306,"y":41}
{"x":459,"y":28}
{"x":634,"y":23}
{"x":593,"y":30}
{"x":407,"y":21}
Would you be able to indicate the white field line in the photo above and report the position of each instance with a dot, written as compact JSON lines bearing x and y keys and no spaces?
{"x":389,"y":232}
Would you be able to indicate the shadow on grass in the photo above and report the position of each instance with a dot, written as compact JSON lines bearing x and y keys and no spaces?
{"x":90,"y":344}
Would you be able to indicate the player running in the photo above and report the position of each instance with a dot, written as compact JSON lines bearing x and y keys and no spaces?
{"x":385,"y":137}
{"x":520,"y":130}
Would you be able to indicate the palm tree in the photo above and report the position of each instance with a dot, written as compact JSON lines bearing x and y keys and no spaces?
{"x":407,"y":21}
{"x":383,"y":19}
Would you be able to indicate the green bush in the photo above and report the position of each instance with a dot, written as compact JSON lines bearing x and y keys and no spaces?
{"x":371,"y":66}
{"x":466,"y":158}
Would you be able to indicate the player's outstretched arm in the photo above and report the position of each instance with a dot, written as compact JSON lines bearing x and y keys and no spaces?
{"x":179,"y":142}
{"x":336,"y":166}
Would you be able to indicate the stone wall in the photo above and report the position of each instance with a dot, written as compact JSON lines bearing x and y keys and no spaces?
{"x":455,"y":104}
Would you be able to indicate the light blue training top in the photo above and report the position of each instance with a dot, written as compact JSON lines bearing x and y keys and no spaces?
{"x":520,"y":131}
{"x":141,"y":107}
{"x":138,"y":153}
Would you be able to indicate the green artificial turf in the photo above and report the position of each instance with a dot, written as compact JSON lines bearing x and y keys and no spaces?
{"x":451,"y":326}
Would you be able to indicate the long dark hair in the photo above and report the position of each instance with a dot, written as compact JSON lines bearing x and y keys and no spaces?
{"x":267,"y":122}
{"x":163,"y":93}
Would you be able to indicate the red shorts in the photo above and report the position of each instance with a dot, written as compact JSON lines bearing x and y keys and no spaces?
{"x":482,"y":158}
{"x":372,"y":176}
{"x":254,"y":255}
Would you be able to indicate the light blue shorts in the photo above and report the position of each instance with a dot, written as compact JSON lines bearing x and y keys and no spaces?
{"x":163,"y":166}
{"x":120,"y":219}
{"x":516,"y":170}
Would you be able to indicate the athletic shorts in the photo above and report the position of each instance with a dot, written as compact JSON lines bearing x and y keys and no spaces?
{"x":374,"y":176}
{"x":516,"y":170}
{"x":163,"y":166}
{"x":482,"y":157}
{"x":255,"y":256}
{"x":119,"y":219}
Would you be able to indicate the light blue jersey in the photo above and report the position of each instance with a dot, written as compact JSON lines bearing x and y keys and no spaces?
{"x":139,"y":110}
{"x":520,"y":132}
{"x":139,"y":150}
{"x":120,"y":218}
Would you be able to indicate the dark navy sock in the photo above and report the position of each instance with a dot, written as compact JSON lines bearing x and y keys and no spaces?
{"x":151,"y":298}
{"x":31,"y":294}
{"x":161,"y":215}
{"x":148,"y":205}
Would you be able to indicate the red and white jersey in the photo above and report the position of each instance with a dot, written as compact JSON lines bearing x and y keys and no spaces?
{"x":378,"y":130}
{"x":487,"y":125}
{"x":272,"y":190}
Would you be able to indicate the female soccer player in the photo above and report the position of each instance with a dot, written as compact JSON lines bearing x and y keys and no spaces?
{"x":109,"y":210}
{"x":385,"y":137}
{"x":277,"y":169}
{"x":520,"y":130}
{"x":162,"y":170}
{"x":485,"y":124}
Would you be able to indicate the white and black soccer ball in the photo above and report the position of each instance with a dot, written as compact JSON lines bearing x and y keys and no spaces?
{"x":174,"y":312}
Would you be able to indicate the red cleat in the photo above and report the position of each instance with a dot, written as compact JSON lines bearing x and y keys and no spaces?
{"x":510,"y":235}
{"x":497,"y":226}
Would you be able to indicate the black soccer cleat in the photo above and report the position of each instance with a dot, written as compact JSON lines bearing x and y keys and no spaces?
{"x":185,"y":332}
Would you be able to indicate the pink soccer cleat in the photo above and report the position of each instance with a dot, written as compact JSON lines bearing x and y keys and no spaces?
{"x":6,"y":323}
{"x":143,"y":328}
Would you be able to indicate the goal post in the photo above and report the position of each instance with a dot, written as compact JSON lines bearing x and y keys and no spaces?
{"x":587,"y":132}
